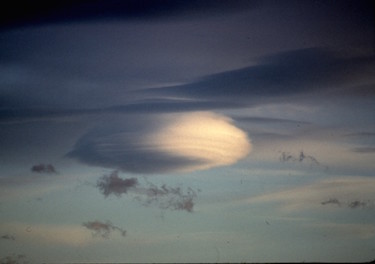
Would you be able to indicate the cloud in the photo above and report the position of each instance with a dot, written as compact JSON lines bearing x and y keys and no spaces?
{"x":354,"y":204}
{"x":281,"y":75}
{"x":163,"y":197}
{"x":103,"y":229}
{"x":166,"y":143}
{"x":364,"y":150}
{"x":302,"y":157}
{"x":43,"y":168}
{"x":113,"y":184}
{"x":296,"y":73}
{"x":45,"y":13}
{"x":331,"y":201}
{"x":348,"y":192}
{"x":8,"y":237}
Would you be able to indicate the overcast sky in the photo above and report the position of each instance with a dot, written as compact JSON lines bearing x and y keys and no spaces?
{"x":187,"y":131}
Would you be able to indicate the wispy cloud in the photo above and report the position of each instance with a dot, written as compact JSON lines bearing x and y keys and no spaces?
{"x":364,"y":150}
{"x":124,"y":10}
{"x":113,"y":184}
{"x":343,"y":192}
{"x":295,"y":72}
{"x":353,"y":204}
{"x":163,"y":197}
{"x":103,"y":229}
{"x":44,"y":168}
{"x":8,"y":237}
{"x":302,"y":157}
{"x":14,"y":259}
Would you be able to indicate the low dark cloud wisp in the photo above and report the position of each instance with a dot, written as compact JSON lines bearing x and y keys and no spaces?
{"x":302,"y":157}
{"x":8,"y":237}
{"x":103,"y":229}
{"x":164,"y":197}
{"x":44,"y":168}
{"x":355,"y":204}
{"x":113,"y":184}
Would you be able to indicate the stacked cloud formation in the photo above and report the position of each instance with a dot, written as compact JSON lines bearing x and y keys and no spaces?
{"x":166,"y":143}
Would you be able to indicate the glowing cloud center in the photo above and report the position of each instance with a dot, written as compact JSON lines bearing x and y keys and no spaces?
{"x":203,"y":136}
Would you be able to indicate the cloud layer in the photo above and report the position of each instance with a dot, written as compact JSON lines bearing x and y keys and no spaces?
{"x":164,"y":143}
{"x":345,"y":192}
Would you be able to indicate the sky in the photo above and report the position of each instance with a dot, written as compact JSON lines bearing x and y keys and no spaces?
{"x":187,"y":131}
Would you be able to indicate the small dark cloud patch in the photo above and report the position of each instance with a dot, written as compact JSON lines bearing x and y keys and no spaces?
{"x":331,"y":201}
{"x":364,"y":150}
{"x":113,"y":184}
{"x":41,"y":12}
{"x":164,"y":197}
{"x":301,"y":157}
{"x":44,"y":168}
{"x":103,"y":229}
{"x":359,"y":204}
{"x":355,"y":204}
{"x":8,"y":237}
{"x":172,"y":198}
{"x":14,"y":259}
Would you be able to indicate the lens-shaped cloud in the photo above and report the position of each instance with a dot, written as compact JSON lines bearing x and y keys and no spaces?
{"x":164,"y":143}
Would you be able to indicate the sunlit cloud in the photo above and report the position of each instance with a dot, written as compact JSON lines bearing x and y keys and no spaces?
{"x":166,"y":143}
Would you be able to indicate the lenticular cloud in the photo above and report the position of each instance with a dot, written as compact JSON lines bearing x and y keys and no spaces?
{"x":164,"y":143}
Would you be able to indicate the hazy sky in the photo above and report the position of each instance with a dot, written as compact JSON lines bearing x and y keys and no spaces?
{"x":187,"y":131}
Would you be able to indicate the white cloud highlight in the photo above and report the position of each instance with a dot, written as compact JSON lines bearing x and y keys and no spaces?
{"x":204,"y":136}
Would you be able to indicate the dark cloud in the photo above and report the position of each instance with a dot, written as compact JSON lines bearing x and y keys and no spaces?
{"x":103,"y":229}
{"x":359,"y":204}
{"x":163,"y":197}
{"x":289,"y":73}
{"x":8,"y":237}
{"x":364,"y":150}
{"x":14,"y":259}
{"x":355,"y":204}
{"x":40,"y":12}
{"x":302,"y":157}
{"x":331,"y":201}
{"x":113,"y":184}
{"x":274,"y":78}
{"x":43,"y":168}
